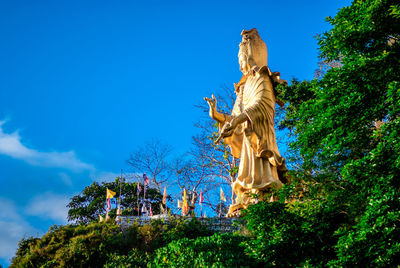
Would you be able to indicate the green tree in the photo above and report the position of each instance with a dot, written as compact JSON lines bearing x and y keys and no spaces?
{"x":347,"y":130}
{"x":91,"y":202}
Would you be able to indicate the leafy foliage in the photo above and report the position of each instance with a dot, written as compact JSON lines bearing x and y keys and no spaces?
{"x":291,"y":235}
{"x":219,"y":250}
{"x":68,"y":246}
{"x":347,"y":131}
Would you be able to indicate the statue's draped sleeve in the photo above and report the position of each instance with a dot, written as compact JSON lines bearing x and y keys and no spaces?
{"x":259,"y":102}
{"x":236,"y":140}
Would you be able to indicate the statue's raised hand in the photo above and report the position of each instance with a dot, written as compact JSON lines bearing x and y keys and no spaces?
{"x":212,"y":103}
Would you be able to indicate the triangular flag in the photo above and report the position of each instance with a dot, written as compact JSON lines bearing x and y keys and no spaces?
{"x":146,"y":179}
{"x":185,"y":207}
{"x":101,"y":218}
{"x":138,"y":188}
{"x":110,"y":194}
{"x":201,"y":199}
{"x":164,"y":199}
{"x":222,"y":195}
{"x":151,"y":211}
{"x":184,"y":195}
{"x":108,"y":205}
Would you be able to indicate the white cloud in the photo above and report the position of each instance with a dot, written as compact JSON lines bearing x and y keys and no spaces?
{"x":11,"y":145}
{"x":49,"y":206}
{"x":13,"y":227}
{"x":66,"y":179}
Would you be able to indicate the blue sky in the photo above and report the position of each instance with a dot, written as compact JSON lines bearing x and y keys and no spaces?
{"x":84,"y":83}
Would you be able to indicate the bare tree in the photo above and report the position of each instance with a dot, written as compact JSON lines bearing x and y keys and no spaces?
{"x":214,"y":163}
{"x":152,"y":159}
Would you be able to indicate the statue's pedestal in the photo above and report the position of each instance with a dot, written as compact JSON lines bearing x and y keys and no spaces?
{"x":235,"y":210}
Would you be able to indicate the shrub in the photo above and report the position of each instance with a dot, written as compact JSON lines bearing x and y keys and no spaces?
{"x":288,"y":235}
{"x":73,"y":245}
{"x":219,"y":250}
{"x":96,"y":244}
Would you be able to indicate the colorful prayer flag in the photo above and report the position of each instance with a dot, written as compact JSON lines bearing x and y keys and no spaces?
{"x":164,"y":199}
{"x":184,"y":195}
{"x":185,"y":207}
{"x":108,"y":205}
{"x":138,"y":188}
{"x":151,"y":211}
{"x":146,"y":179}
{"x":201,"y":199}
{"x":110,"y":194}
{"x":222,"y":195}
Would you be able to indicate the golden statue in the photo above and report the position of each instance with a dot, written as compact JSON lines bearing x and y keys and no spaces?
{"x":249,"y":130}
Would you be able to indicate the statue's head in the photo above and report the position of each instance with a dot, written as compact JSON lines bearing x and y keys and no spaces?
{"x":252,"y":51}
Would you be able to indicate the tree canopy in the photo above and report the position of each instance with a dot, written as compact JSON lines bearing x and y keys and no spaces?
{"x":347,"y":127}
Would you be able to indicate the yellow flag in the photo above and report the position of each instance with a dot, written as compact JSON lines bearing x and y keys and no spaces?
{"x":110,"y":194}
{"x":222,"y":196}
{"x":180,"y":205}
{"x":185,"y":207}
{"x":184,"y":195}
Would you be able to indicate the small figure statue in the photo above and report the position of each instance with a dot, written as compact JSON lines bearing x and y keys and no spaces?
{"x":249,"y":130}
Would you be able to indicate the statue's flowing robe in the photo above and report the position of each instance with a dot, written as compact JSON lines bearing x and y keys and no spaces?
{"x":254,"y":141}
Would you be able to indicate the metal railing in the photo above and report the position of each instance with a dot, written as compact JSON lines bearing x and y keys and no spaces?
{"x":218,"y":224}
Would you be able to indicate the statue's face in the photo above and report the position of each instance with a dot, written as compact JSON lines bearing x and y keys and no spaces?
{"x":243,"y":63}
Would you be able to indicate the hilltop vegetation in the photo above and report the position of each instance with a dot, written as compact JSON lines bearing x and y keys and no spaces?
{"x":276,"y":233}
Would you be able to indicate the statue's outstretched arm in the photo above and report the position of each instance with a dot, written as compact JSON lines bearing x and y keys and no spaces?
{"x":214,"y":114}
